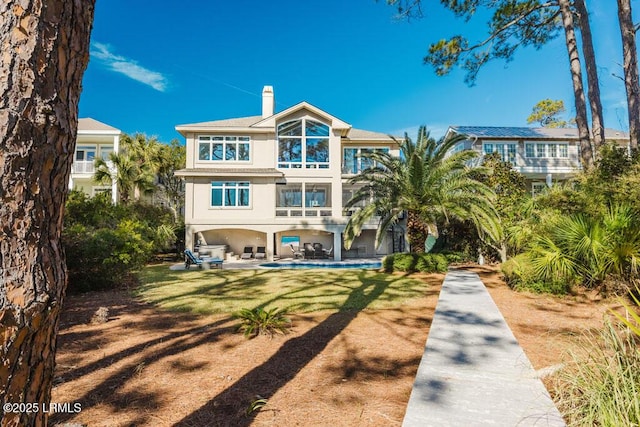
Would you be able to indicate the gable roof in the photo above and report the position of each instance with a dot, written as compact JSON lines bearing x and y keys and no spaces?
{"x":88,"y":125}
{"x":336,"y":123}
{"x":506,"y":132}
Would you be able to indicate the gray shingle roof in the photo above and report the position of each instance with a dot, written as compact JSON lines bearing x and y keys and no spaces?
{"x":529,"y":133}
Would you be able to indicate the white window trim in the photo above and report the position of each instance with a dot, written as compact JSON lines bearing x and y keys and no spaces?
{"x":303,"y":164}
{"x":224,"y":143}
{"x":237,"y":188}
{"x":495,"y":149}
{"x":546,"y":150}
{"x":358,"y":157}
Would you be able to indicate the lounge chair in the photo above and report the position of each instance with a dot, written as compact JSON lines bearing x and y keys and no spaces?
{"x":297,"y":253}
{"x":261,"y":252}
{"x":203,"y":262}
{"x":247,"y":253}
{"x":328,"y":253}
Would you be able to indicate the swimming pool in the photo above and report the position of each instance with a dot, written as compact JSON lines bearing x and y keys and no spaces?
{"x":337,"y":264}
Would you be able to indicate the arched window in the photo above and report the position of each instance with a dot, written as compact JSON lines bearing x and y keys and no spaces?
{"x":303,"y":143}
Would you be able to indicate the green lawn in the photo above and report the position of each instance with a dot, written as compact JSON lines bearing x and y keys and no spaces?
{"x":227,"y":291}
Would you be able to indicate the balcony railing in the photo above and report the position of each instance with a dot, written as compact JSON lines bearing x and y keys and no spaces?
{"x":82,"y":166}
{"x":300,"y":212}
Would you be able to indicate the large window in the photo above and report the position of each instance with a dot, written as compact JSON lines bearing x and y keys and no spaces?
{"x":224,"y":148}
{"x":303,"y":199}
{"x":507,"y":151}
{"x":230,"y":194}
{"x":354,"y":159}
{"x":544,"y":150}
{"x":303,"y":143}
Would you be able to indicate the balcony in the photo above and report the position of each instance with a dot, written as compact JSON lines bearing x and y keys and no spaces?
{"x":83,"y":167}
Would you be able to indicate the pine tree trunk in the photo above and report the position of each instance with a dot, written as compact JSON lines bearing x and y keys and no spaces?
{"x":417,"y":232}
{"x":630,"y":57}
{"x":586,"y":152}
{"x":44,"y":45}
{"x":597,"y":120}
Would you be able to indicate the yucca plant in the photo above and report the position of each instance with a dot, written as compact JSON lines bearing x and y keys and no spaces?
{"x":256,"y":321}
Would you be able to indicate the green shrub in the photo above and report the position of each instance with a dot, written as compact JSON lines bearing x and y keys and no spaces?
{"x":520,"y":274}
{"x":258,"y":321}
{"x":105,"y":243}
{"x":103,"y":258}
{"x":411,"y":262}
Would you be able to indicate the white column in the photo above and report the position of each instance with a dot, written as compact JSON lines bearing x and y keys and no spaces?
{"x":114,"y":185}
{"x":549,"y":180}
{"x":270,"y":246}
{"x":337,"y":244}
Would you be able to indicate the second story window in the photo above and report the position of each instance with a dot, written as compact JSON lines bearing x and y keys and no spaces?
{"x":84,"y":158}
{"x":544,"y":150}
{"x":230,"y":194}
{"x":354,"y":160}
{"x":303,"y":143}
{"x":224,"y":148}
{"x":507,"y":152}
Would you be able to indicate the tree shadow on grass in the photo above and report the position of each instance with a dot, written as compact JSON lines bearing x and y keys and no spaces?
{"x":229,"y":406}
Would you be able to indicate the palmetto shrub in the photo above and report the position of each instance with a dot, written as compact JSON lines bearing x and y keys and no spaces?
{"x":520,"y":274}
{"x":593,"y":248}
{"x":257,"y":321}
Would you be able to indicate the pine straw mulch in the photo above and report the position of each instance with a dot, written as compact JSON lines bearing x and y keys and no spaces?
{"x":147,"y":367}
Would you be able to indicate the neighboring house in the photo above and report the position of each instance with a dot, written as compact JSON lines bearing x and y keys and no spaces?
{"x":94,"y":140}
{"x":542,"y":155}
{"x":278,"y":180}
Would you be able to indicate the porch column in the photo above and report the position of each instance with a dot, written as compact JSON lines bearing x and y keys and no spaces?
{"x":270,"y":245}
{"x":337,"y":245}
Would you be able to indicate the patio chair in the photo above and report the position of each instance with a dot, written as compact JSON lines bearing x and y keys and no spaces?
{"x":309,"y":251}
{"x":328,"y":253}
{"x":247,"y":253}
{"x":203,"y":262}
{"x":297,"y":253}
{"x":317,"y":250}
{"x":261,"y":252}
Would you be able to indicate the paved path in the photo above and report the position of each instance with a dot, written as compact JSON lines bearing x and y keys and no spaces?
{"x":474,"y":372}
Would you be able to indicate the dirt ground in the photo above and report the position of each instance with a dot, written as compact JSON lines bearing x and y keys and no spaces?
{"x":146,"y":367}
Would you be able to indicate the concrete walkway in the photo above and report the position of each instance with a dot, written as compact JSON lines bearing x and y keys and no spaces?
{"x":474,"y":372}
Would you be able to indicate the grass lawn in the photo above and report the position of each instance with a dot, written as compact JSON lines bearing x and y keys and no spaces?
{"x":227,"y":291}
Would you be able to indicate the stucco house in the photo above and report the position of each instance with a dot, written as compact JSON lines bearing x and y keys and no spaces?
{"x":542,"y":155}
{"x":95,"y":140}
{"x":277,"y":180}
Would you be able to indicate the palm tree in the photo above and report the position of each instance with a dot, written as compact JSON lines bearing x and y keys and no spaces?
{"x":133,"y":168}
{"x":427,"y":184}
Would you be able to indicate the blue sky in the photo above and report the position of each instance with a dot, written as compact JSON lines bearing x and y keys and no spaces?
{"x":155,"y":65}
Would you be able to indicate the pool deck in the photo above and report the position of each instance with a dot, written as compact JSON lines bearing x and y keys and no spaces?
{"x":473,"y":371}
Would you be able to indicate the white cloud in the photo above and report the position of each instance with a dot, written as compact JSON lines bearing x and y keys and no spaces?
{"x":128,"y":67}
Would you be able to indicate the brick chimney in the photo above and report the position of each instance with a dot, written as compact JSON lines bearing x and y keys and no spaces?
{"x":268,"y":101}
